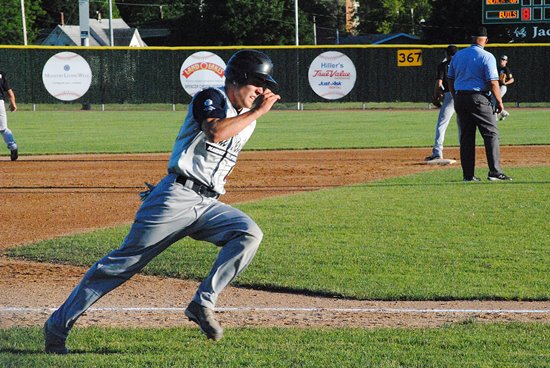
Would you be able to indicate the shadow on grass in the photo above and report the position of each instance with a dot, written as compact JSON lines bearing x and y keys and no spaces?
{"x":403,"y":298}
{"x":101,"y":351}
{"x":447,"y":182}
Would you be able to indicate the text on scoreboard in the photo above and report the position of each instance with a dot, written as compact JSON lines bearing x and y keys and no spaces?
{"x":515,"y":11}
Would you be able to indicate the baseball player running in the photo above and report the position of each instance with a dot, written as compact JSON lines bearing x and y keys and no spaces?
{"x":7,"y":135}
{"x":185,"y":202}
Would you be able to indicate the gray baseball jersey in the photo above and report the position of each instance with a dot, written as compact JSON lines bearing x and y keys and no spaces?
{"x":194,"y":156}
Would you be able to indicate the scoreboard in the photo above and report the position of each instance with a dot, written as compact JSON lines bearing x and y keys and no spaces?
{"x":515,"y":11}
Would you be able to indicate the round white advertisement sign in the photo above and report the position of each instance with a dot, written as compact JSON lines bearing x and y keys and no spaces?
{"x":201,"y":70}
{"x":332,"y":75}
{"x":67,"y":76}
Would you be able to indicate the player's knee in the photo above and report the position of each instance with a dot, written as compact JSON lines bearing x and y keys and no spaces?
{"x":254,"y":235}
{"x":116,"y":267}
{"x":6,"y":133}
{"x":102,"y":270}
{"x":256,"y":232}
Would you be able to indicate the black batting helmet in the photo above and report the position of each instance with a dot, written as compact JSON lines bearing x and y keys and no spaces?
{"x":451,"y":50}
{"x":250,"y":67}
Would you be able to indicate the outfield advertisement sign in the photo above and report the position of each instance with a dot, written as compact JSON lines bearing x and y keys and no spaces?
{"x":332,"y":75}
{"x":201,"y":70}
{"x":67,"y":76}
{"x":531,"y":33}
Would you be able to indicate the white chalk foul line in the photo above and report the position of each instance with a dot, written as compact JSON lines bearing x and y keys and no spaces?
{"x":289,"y":309}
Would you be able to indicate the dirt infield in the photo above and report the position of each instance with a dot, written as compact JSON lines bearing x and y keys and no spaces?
{"x":48,"y":196}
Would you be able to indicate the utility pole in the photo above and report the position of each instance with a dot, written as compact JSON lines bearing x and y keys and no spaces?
{"x":24,"y":21}
{"x":296,"y":20}
{"x":337,"y":23}
{"x":314,"y":31}
{"x":84,"y":17}
{"x":412,"y":20}
{"x":111,"y":36}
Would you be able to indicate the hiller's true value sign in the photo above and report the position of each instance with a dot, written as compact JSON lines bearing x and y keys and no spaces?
{"x":332,"y":75}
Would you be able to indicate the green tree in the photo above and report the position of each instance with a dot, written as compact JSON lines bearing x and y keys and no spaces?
{"x":11,"y":23}
{"x":240,"y":22}
{"x":392,"y":16}
{"x":70,"y":10}
{"x":330,"y":19}
{"x":139,"y":12}
{"x":255,"y":22}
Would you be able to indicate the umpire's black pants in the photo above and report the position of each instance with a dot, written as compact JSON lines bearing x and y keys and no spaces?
{"x":475,"y":110}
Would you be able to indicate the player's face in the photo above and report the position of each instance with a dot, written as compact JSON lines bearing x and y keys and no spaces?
{"x":503,"y":62}
{"x":247,"y":94}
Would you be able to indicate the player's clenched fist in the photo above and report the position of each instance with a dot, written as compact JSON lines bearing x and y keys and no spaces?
{"x":266,"y":101}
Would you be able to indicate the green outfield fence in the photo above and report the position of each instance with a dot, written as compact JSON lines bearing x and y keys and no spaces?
{"x":151,"y":74}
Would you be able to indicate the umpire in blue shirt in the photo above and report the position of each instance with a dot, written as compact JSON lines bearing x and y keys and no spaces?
{"x":474,"y":84}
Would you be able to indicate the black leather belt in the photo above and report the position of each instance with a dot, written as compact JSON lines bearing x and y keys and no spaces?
{"x":197,"y":187}
{"x":462,"y":92}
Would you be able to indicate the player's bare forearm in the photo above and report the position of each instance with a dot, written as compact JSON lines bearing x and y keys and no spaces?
{"x":495,"y":89}
{"x":219,"y":130}
{"x":11,"y":96}
{"x":452,"y":86}
{"x":438,"y":87}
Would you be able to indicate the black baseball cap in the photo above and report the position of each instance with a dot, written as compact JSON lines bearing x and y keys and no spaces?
{"x":480,"y":32}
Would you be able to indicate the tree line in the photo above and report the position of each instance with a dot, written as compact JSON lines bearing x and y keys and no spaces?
{"x":255,"y":22}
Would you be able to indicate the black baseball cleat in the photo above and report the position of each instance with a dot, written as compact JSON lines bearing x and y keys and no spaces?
{"x":14,"y":154}
{"x":204,"y":317}
{"x":433,"y":157}
{"x":472,"y":179}
{"x":498,"y":177}
{"x":54,"y":344}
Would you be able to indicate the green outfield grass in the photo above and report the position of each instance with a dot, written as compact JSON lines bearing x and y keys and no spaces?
{"x":50,"y":132}
{"x":461,"y":345}
{"x":422,"y":237}
{"x":395,"y":105}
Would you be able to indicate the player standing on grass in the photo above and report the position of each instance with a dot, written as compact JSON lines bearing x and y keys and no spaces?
{"x":7,"y":135}
{"x":505,"y":79}
{"x":185,"y":203}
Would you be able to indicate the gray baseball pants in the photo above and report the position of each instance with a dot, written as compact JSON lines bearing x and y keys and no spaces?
{"x":503,"y":90}
{"x":445,"y":114}
{"x":7,"y":135}
{"x":476,"y":111}
{"x":168,"y":214}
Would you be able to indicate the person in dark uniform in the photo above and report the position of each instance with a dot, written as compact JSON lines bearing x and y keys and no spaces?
{"x":7,"y":135}
{"x":505,"y":79}
{"x":474,"y":82}
{"x":447,"y":107}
